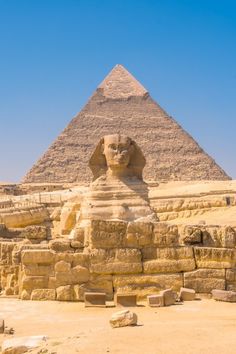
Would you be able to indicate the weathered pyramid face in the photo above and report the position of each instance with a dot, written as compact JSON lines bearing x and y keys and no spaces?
{"x":122,"y":105}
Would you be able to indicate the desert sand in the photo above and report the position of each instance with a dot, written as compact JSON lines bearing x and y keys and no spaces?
{"x":201,"y":326}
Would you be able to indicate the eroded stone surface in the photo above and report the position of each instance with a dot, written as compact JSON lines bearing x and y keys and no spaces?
{"x":205,"y":280}
{"x":123,"y":318}
{"x":224,"y":295}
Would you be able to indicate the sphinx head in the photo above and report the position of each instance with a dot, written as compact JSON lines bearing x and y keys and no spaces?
{"x":118,"y":150}
{"x":118,"y":155}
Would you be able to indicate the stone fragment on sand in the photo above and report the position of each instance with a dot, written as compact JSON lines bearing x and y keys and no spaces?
{"x":169,"y":297}
{"x":95,"y":299}
{"x":155,"y":300}
{"x":187,"y":294}
{"x":21,"y":345}
{"x":126,"y":299}
{"x":123,"y":318}
{"x":224,"y":295}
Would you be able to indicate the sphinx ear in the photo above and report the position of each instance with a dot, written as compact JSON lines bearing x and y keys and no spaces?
{"x":137,"y":161}
{"x":97,"y":162}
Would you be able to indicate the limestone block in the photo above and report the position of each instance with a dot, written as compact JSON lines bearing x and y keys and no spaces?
{"x":64,"y":256}
{"x":190,"y":235}
{"x":165,"y":235}
{"x":78,"y":235}
{"x":76,"y":244}
{"x":56,"y":214}
{"x":187,"y":294}
{"x":219,"y":237}
{"x":27,"y":217}
{"x":62,"y":266}
{"x":65,"y":293}
{"x":207,"y":257}
{"x":224,"y":295}
{"x":52,"y":282}
{"x":231,"y":279}
{"x":169,"y":260}
{"x":96,"y":283}
{"x":25,"y":295}
{"x":144,"y":284}
{"x":169,"y":296}
{"x":34,"y":232}
{"x":126,"y":300}
{"x":94,"y":299}
{"x":37,"y":257}
{"x":68,"y":217}
{"x":139,"y":234}
{"x":81,"y":259}
{"x":43,"y":294}
{"x":6,"y":250}
{"x":80,"y":274}
{"x":76,"y":275}
{"x":204,"y":280}
{"x":155,"y":300}
{"x":60,"y":245}
{"x":115,"y":261}
{"x":34,"y":282}
{"x":107,"y":234}
{"x":8,"y":275}
{"x":38,"y":270}
{"x":123,"y":319}
{"x":25,"y":245}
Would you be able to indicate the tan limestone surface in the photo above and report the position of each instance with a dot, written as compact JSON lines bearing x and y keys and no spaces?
{"x":120,"y":105}
{"x":195,"y":327}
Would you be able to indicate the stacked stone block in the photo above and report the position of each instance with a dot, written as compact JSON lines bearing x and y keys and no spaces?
{"x":140,"y":258}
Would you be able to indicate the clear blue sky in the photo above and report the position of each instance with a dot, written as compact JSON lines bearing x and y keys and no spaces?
{"x":53,"y":54}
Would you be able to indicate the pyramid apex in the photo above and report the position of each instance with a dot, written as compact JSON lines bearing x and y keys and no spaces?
{"x":119,"y":83}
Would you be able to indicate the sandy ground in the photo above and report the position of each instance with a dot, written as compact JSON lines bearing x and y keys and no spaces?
{"x":203,"y":326}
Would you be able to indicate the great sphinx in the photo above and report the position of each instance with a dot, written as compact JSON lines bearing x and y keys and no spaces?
{"x":118,"y":191}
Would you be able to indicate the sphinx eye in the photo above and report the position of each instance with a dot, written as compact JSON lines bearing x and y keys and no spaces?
{"x":113,"y":147}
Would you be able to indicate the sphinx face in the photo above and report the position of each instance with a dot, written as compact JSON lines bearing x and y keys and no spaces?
{"x":117,"y":150}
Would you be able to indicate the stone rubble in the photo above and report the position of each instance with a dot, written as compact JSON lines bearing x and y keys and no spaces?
{"x":123,"y":319}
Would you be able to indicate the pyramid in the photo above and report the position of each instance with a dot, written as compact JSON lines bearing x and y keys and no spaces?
{"x":121,"y":104}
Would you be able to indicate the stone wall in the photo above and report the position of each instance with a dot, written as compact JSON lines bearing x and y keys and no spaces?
{"x":171,"y":208}
{"x":109,"y":256}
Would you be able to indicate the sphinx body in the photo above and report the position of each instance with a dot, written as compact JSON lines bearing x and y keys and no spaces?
{"x":118,"y":191}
